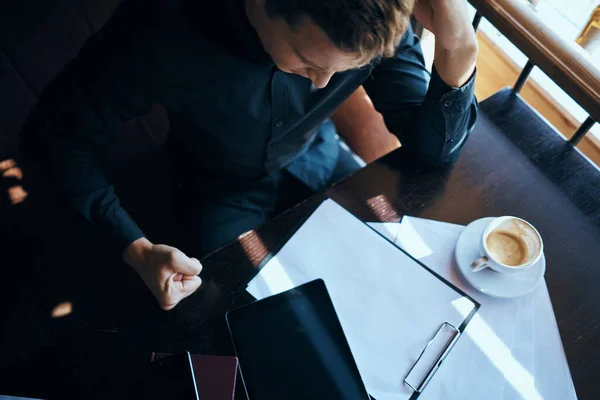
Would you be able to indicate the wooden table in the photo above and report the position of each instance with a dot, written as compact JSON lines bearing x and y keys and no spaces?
{"x":512,"y":164}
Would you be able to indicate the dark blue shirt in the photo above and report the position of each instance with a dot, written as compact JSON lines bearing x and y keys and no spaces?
{"x":235,"y":118}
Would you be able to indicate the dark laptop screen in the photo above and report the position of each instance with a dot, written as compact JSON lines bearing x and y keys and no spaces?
{"x":291,"y":346}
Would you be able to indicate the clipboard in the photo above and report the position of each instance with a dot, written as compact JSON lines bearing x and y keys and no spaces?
{"x":447,"y":346}
{"x":296,"y":266}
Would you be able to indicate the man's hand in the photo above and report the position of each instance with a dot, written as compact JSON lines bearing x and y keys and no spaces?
{"x":455,"y":41}
{"x":170,"y":275}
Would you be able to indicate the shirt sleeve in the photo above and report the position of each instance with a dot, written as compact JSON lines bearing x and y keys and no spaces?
{"x":431,"y":119}
{"x":112,"y":79}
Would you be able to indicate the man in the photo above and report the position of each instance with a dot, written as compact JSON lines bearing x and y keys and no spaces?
{"x":249,"y":85}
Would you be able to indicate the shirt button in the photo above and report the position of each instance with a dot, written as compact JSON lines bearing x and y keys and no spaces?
{"x":279,"y":124}
{"x":448,"y":103}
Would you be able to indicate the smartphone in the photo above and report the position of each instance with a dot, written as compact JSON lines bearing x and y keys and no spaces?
{"x":173,"y":377}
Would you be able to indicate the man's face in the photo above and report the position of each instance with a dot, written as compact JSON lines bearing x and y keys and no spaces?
{"x":305,"y":50}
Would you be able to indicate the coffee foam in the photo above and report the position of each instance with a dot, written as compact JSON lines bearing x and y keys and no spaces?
{"x":521,"y":241}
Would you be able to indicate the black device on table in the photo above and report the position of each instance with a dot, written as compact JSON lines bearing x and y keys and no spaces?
{"x":291,"y":346}
{"x":173,"y":377}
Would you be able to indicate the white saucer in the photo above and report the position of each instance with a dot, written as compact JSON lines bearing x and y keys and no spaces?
{"x":488,"y":281}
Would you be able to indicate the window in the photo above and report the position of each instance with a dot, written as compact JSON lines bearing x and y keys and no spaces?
{"x":567,"y":19}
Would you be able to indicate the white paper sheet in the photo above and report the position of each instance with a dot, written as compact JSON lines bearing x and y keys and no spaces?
{"x":510,"y":350}
{"x":388,"y":305}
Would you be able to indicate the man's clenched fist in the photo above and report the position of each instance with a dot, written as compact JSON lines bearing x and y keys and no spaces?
{"x":170,"y":275}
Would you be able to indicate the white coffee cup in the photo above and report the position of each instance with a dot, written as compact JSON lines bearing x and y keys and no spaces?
{"x":509,"y":245}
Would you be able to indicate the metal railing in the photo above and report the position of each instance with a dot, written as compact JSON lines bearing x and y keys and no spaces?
{"x":564,"y":63}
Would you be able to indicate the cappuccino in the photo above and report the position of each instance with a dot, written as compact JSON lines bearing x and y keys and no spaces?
{"x":507,"y":248}
{"x":509,"y":244}
{"x":513,"y":242}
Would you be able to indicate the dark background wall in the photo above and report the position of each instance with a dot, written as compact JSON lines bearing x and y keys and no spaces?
{"x":37,"y":39}
{"x":48,"y":253}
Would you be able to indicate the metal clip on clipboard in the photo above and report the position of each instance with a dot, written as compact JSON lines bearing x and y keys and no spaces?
{"x":446,"y":347}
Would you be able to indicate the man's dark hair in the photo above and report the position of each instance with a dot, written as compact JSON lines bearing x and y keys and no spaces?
{"x":367,"y":28}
